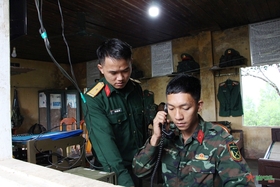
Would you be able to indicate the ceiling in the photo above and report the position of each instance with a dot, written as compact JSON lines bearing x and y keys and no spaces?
{"x":87,"y":23}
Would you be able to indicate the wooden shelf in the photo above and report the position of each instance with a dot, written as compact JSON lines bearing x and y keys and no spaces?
{"x":145,"y":78}
{"x":217,"y":68}
{"x":19,"y":70}
{"x":228,"y":71}
{"x":193,"y":73}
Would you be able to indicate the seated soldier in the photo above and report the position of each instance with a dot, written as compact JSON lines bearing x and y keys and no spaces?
{"x":201,"y":154}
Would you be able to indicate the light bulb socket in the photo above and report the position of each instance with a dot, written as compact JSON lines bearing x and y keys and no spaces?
{"x":14,"y":53}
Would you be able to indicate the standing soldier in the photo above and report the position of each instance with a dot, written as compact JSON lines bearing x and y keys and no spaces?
{"x":114,"y":112}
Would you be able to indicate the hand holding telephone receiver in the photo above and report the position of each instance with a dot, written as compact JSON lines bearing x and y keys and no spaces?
{"x":165,"y":134}
{"x":169,"y":133}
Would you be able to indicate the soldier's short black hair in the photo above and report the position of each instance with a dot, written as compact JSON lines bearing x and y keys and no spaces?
{"x":183,"y":83}
{"x":114,"y":48}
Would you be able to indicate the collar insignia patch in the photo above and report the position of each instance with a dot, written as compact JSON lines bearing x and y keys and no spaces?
{"x":201,"y":156}
{"x":107,"y":90}
{"x":200,"y":136}
{"x":234,"y":151}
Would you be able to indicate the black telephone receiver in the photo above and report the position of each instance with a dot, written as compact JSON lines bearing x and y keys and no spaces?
{"x":168,"y":134}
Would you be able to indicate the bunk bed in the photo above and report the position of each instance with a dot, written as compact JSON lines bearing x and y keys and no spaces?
{"x":269,"y":165}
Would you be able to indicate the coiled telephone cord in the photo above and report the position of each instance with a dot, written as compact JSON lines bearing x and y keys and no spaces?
{"x":158,"y":159}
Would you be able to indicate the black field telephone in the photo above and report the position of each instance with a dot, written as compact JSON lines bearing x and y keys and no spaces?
{"x":167,"y":134}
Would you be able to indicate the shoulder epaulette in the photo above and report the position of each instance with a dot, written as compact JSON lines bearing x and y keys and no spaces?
{"x":225,"y":130}
{"x":235,"y":82}
{"x":222,"y":84}
{"x":135,"y":80}
{"x":96,"y":89}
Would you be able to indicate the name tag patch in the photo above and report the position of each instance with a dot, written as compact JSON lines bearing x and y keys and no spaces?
{"x":114,"y":111}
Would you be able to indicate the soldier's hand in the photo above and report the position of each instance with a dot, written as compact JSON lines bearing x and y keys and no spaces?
{"x":160,"y":119}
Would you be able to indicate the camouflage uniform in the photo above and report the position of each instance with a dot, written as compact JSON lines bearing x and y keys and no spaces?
{"x":208,"y":158}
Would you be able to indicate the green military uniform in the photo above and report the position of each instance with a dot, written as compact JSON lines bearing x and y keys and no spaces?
{"x":208,"y":158}
{"x":230,"y":100}
{"x":115,"y":121}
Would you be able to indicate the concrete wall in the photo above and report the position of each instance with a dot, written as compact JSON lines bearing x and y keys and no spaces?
{"x":5,"y":133}
{"x":206,"y":48}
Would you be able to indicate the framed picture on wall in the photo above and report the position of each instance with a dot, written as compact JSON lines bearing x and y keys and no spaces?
{"x":264,"y":38}
{"x":162,"y":63}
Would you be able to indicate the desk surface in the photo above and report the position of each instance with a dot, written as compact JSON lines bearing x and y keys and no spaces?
{"x":49,"y":135}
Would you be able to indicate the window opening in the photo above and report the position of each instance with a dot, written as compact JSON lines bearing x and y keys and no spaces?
{"x":261,"y":95}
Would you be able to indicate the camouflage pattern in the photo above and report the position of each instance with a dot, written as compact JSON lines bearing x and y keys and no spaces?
{"x":213,"y":162}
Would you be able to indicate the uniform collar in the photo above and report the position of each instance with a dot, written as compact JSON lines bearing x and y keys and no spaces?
{"x":199,"y":131}
{"x":109,"y":89}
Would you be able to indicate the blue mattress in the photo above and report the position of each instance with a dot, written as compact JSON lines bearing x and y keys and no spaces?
{"x":48,"y":135}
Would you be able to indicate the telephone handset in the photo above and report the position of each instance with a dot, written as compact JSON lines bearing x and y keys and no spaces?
{"x":168,"y":134}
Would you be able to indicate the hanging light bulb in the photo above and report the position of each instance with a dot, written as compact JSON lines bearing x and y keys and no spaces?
{"x":154,"y":11}
{"x":14,"y":53}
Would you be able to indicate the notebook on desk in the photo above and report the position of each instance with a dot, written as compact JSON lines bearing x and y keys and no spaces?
{"x":48,"y":135}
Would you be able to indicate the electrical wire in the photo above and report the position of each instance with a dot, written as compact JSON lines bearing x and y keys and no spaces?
{"x":67,"y":159}
{"x":66,"y":43}
{"x":92,"y":164}
{"x":43,"y":33}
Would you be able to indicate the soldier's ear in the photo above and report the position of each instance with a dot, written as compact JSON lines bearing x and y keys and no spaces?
{"x":199,"y":105}
{"x":100,"y":67}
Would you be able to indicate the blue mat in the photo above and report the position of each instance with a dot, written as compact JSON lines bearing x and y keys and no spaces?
{"x":49,"y":135}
